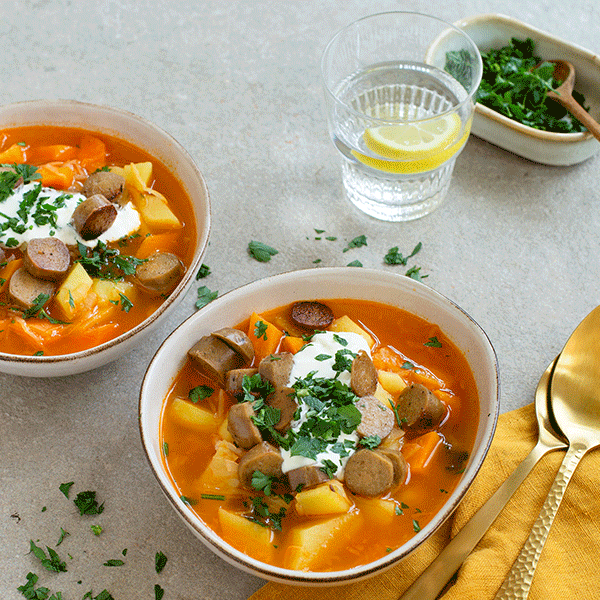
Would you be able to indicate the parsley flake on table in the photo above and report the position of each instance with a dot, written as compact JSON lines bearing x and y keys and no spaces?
{"x":205,"y":296}
{"x":52,"y":562}
{"x":87,"y":504}
{"x":203,"y":271}
{"x":113,"y":562}
{"x":65,"y":487}
{"x":158,"y":592}
{"x":357,"y":242}
{"x":394,"y":257}
{"x":261,"y":252}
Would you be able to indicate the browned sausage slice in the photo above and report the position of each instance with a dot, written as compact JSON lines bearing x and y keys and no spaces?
{"x":311,"y":315}
{"x":241,"y":427}
{"x":160,"y":273}
{"x":238,"y":340}
{"x":264,"y":458}
{"x":306,"y":477}
{"x":108,"y":184}
{"x":419,"y":408}
{"x":369,"y":473}
{"x":213,"y":358}
{"x":376,"y":419}
{"x":283,"y":398}
{"x":93,"y":216}
{"x":47,"y":258}
{"x":363,"y":376}
{"x":235,"y":378}
{"x":399,"y":463}
{"x":277,"y":368}
{"x":24,"y":288}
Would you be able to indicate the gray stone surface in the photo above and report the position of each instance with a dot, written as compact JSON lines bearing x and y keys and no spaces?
{"x":237,"y":83}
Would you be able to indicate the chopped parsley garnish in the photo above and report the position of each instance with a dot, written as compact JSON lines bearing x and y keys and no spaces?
{"x":52,"y":562}
{"x":107,"y":263}
{"x":415,"y":273}
{"x":260,"y":330}
{"x":357,"y":242}
{"x":355,"y":263}
{"x":188,"y":501}
{"x":261,"y":252}
{"x":65,"y":487}
{"x":37,"y":310}
{"x":10,"y":177}
{"x":158,"y":592}
{"x":394,"y":257}
{"x":416,"y":526}
{"x":29,"y":591}
{"x":87,"y":504}
{"x":205,"y":296}
{"x":96,"y":529}
{"x":63,"y":535}
{"x":219,"y":497}
{"x":262,"y":482}
{"x":370,"y":441}
{"x":203,"y":271}
{"x":114,"y":562}
{"x":433,"y":342}
{"x":200,"y":392}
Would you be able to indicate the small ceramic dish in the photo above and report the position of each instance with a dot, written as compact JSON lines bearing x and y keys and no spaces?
{"x":494,"y":31}
{"x":282,"y":290}
{"x":159,"y":145}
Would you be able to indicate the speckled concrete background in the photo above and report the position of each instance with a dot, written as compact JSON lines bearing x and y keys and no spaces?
{"x":237,"y":83}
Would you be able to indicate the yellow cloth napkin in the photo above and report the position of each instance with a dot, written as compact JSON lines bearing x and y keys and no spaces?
{"x":569,"y":566}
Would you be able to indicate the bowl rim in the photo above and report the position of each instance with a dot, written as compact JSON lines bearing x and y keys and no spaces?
{"x":316,"y":578}
{"x":202,"y":236}
{"x":484,"y":19}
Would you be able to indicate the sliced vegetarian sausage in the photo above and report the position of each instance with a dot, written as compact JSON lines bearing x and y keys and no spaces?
{"x":107,"y":183}
{"x":306,"y":477}
{"x":398,"y":462}
{"x":311,"y":315}
{"x":160,"y":273}
{"x":419,"y":408}
{"x":376,"y":419}
{"x":264,"y":458}
{"x":214,"y":358}
{"x":363,"y":375}
{"x":241,"y":426}
{"x":24,"y":288}
{"x":369,"y":473}
{"x":47,"y":258}
{"x":284,"y":399}
{"x":235,"y":378}
{"x":93,"y":216}
{"x":277,"y":368}
{"x":238,"y":340}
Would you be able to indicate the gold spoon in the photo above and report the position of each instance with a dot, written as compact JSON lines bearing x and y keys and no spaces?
{"x":433,"y":579}
{"x":575,"y":405}
{"x":564,"y":71}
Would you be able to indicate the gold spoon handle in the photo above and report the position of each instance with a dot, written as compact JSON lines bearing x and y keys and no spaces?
{"x":518,"y":581}
{"x":433,"y":579}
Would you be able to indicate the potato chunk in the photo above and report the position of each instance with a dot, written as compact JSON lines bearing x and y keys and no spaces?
{"x":345,"y":323}
{"x":193,"y":416}
{"x":73,"y":291}
{"x":247,"y":536}
{"x":329,"y":498}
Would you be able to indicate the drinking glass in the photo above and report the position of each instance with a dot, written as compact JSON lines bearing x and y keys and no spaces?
{"x":399,"y":90}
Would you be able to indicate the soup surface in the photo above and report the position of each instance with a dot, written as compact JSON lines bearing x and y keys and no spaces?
{"x":121,"y":238}
{"x":337,"y":520}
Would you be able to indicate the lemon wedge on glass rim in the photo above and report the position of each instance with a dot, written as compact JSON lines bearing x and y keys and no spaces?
{"x":414,"y":147}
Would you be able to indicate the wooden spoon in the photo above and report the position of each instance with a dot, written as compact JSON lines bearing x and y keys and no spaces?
{"x":564,"y":71}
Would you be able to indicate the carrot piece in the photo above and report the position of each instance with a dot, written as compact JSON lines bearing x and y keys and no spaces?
{"x":7,"y":271}
{"x":13,"y":154}
{"x":92,"y":153}
{"x":46,"y":154}
{"x":292,"y":344}
{"x":420,"y":457}
{"x":265,"y":337}
{"x":59,"y":177}
{"x":160,"y":242}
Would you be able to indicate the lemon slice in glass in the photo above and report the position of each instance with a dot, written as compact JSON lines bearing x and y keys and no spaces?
{"x":414,"y":147}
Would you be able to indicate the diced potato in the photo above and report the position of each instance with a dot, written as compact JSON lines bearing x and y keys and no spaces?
{"x":394,"y":440}
{"x":221,"y":474}
{"x":224,"y":432}
{"x":138,"y":175}
{"x":326,"y":499}
{"x":155,"y":211}
{"x":247,"y":536}
{"x":376,"y":510}
{"x":193,"y":416}
{"x":73,"y":291}
{"x":391,"y":382}
{"x":309,"y":543}
{"x":110,"y":291}
{"x":382,"y":395}
{"x":345,"y":323}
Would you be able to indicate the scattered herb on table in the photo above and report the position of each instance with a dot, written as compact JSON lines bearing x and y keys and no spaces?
{"x":357,"y":242}
{"x":52,"y":562}
{"x":205,"y":296}
{"x":513,"y":87}
{"x":261,"y":252}
{"x":355,"y":263}
{"x":160,"y":560}
{"x":87,"y":504}
{"x":114,"y":562}
{"x":203,"y":271}
{"x":394,"y":257}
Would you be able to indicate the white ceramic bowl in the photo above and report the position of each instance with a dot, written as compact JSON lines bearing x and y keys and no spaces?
{"x":494,"y":31}
{"x":322,"y":283}
{"x":159,"y":144}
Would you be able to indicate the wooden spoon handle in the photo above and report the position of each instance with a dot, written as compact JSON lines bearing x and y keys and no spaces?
{"x":517,"y":584}
{"x":582,"y":115}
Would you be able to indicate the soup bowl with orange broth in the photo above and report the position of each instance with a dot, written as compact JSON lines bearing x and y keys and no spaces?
{"x":104,"y":219}
{"x":349,"y":479}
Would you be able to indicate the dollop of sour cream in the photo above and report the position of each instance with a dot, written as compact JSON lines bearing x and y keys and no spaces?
{"x":21,"y":209}
{"x":311,"y":360}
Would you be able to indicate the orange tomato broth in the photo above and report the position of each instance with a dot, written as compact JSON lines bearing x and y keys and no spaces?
{"x":399,"y":337}
{"x":65,"y":157}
